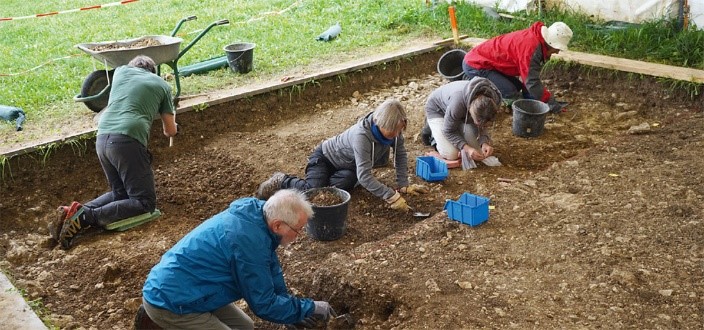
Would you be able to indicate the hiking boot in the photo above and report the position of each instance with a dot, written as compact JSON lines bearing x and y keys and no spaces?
{"x":270,"y":186}
{"x":426,"y":134}
{"x":143,"y":321}
{"x":55,"y":226}
{"x":72,"y":225}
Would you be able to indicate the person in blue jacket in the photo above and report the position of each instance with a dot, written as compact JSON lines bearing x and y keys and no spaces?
{"x":229,"y":257}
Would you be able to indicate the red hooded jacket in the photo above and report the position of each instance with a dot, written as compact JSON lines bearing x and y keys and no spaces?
{"x":520,"y":53}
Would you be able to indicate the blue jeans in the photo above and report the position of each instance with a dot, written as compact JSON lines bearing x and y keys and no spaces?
{"x":510,"y":87}
{"x":127,"y":166}
{"x":321,"y":173}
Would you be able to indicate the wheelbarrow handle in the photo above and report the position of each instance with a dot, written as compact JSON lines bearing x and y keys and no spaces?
{"x":200,"y":35}
{"x":178,"y":26}
{"x":222,"y":22}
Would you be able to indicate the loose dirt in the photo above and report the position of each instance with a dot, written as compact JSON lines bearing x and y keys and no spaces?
{"x":592,"y":227}
{"x":146,"y":42}
{"x":325,"y":198}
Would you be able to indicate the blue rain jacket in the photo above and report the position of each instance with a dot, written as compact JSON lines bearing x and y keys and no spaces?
{"x":226,"y":258}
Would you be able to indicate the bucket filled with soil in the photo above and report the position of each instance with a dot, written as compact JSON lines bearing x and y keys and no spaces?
{"x":330,"y":205}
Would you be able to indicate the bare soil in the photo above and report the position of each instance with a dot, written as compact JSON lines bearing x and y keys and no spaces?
{"x":325,"y":198}
{"x":591,"y":226}
{"x":146,"y":42}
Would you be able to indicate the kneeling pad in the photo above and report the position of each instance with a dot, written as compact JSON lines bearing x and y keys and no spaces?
{"x":134,"y":221}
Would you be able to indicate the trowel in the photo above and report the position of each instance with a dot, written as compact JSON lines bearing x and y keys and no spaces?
{"x":419,"y":214}
{"x":344,"y":321}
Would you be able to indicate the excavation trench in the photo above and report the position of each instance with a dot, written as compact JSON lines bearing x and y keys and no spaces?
{"x":587,"y":221}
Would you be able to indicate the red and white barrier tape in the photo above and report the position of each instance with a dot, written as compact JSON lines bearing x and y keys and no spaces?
{"x":68,"y":11}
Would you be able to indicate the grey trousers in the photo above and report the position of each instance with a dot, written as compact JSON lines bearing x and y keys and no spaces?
{"x":225,"y":318}
{"x":128,"y":167}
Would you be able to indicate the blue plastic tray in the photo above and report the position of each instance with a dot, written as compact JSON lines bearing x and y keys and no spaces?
{"x":431,"y":169}
{"x":470,"y":209}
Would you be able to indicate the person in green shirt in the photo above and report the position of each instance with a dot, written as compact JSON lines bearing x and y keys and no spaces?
{"x":137,"y":97}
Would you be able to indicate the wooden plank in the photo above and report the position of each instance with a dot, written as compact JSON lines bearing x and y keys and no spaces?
{"x":15,"y":313}
{"x":622,"y":64}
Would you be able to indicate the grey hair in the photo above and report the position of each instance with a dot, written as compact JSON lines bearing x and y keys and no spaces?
{"x":484,"y":107}
{"x":389,"y":114}
{"x":144,"y":62}
{"x":287,"y":205}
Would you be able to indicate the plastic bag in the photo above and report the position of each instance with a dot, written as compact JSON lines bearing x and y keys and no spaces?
{"x":11,"y":113}
{"x":491,"y":161}
{"x":331,"y":33}
{"x":467,"y":162}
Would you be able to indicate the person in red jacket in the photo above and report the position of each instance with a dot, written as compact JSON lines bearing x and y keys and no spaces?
{"x":513,"y":61}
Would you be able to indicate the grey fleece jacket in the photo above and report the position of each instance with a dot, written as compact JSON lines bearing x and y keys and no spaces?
{"x":357,"y":149}
{"x":450,"y":102}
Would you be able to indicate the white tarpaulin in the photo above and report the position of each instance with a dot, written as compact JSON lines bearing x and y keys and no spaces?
{"x":507,"y":5}
{"x":633,"y":11}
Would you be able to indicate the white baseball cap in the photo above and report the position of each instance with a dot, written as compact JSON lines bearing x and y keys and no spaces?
{"x":558,"y":35}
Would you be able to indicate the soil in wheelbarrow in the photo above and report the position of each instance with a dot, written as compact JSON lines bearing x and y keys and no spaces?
{"x":325,"y":198}
{"x":597,"y":228}
{"x":147,"y":42}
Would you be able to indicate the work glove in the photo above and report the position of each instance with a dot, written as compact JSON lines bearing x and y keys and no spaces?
{"x":557,"y":106}
{"x":321,"y":315}
{"x":414,"y":189}
{"x":396,"y":202}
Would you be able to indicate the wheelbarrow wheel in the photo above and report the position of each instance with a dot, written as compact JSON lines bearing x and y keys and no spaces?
{"x":94,"y":84}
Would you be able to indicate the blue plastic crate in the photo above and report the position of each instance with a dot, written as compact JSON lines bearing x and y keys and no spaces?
{"x":470,"y":209}
{"x":431,"y":169}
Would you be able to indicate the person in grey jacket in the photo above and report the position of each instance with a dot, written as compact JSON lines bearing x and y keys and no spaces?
{"x":457,"y":114}
{"x":347,"y":159}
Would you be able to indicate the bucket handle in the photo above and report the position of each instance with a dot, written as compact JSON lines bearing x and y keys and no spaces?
{"x":237,"y":59}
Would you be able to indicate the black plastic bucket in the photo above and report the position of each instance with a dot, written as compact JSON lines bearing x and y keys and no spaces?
{"x":450,"y":65}
{"x":240,"y":56}
{"x":329,"y":222}
{"x":528,"y":117}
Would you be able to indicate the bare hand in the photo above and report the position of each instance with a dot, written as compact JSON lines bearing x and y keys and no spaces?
{"x":474,"y":153}
{"x":487,"y":150}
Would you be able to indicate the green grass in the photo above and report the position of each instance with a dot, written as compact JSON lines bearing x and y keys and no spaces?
{"x":284,"y":41}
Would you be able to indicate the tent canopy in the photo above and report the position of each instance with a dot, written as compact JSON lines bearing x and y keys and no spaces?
{"x":632,"y":11}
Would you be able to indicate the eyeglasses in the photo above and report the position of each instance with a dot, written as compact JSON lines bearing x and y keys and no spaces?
{"x":289,"y":226}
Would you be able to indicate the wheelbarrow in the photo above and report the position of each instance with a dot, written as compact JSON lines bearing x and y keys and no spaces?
{"x":95,"y":90}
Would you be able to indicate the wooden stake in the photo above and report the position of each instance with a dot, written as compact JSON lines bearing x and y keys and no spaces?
{"x":453,"y":24}
{"x":171,"y":138}
{"x":685,"y":15}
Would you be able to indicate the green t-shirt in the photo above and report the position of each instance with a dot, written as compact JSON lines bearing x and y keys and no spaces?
{"x":137,"y":97}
